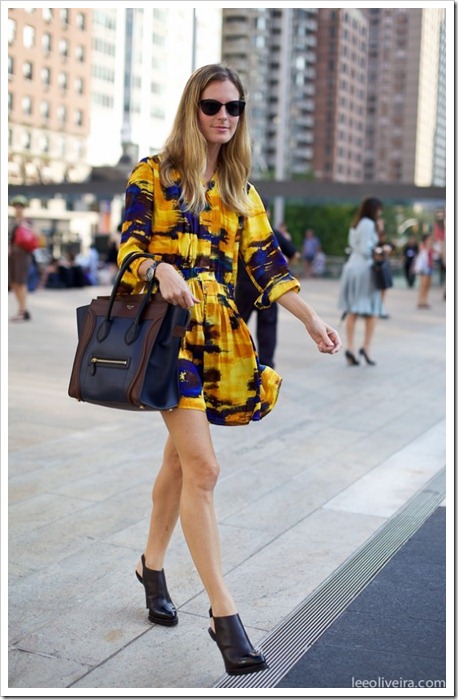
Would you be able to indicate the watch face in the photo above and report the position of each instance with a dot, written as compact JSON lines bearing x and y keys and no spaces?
{"x":150,"y":272}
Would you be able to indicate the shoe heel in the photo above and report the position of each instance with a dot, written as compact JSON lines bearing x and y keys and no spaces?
{"x":351,"y":359}
{"x":363,"y":353}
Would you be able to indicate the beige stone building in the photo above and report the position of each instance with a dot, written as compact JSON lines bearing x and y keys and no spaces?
{"x":48,"y":94}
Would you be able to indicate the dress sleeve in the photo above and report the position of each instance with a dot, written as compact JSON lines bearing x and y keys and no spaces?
{"x":136,"y":227}
{"x":265,"y":263}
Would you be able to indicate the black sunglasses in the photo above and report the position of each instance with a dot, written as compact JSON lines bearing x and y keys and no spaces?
{"x":212,"y":107}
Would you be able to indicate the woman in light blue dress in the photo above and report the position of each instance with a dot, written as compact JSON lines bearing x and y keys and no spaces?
{"x":358,"y":295}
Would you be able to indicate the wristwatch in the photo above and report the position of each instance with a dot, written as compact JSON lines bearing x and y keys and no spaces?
{"x":151,"y":271}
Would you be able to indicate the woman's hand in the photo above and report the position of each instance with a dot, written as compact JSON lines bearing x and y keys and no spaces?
{"x":326,"y":338}
{"x":172,"y":285}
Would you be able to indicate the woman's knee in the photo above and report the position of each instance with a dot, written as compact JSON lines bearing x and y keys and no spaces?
{"x":190,"y":440}
{"x":202,"y":473}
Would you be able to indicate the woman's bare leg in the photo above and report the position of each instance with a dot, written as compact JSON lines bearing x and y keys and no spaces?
{"x":166,"y":508}
{"x":190,"y":433}
{"x":350,"y":322}
{"x":20,"y":292}
{"x":425,"y":283}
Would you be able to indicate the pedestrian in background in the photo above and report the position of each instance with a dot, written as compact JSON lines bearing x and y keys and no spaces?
{"x":310,"y":248}
{"x":424,"y":264}
{"x":387,"y":247}
{"x":358,"y":295}
{"x":19,"y":261}
{"x":409,"y":253}
{"x":192,"y":207}
{"x":319,"y":263}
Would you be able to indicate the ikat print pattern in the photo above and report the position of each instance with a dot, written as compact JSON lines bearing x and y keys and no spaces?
{"x":219,"y":371}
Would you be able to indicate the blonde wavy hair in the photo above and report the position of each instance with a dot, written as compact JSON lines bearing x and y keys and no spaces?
{"x":185,"y":149}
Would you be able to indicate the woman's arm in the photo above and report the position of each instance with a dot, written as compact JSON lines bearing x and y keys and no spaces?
{"x":264,"y":261}
{"x":136,"y":237}
{"x":326,"y":338}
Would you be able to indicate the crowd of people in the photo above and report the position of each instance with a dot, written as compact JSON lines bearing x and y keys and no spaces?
{"x":419,"y":258}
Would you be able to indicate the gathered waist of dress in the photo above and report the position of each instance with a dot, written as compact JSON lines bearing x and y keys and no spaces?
{"x":208,"y":281}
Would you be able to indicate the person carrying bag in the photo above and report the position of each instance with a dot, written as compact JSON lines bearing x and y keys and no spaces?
{"x":193,"y":209}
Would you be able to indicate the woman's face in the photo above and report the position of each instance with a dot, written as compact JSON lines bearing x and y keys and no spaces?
{"x":219,"y":128}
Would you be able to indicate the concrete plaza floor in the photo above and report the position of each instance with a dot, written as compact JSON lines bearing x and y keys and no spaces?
{"x":299,"y":492}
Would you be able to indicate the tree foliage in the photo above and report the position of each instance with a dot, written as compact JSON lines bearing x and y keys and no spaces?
{"x":331,"y":223}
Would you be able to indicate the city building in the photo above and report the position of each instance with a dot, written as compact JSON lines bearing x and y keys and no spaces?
{"x":94,"y":90}
{"x":341,"y":95}
{"x":84,"y":85}
{"x":439,"y":157}
{"x":405,"y":126}
{"x":141,"y":59}
{"x":335,"y":94}
{"x":274,"y":51}
{"x":49,"y":54}
{"x":245,"y":48}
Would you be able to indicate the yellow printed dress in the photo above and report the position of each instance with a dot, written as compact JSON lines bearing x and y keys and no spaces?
{"x":219,"y":371}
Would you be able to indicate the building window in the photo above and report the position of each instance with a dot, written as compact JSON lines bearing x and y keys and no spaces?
{"x":44,"y":143}
{"x":46,"y":43}
{"x":10,"y":101}
{"x":27,"y":105}
{"x":28,"y":36}
{"x":46,"y":76}
{"x":62,"y":115}
{"x":78,"y":117}
{"x":44,"y":109}
{"x":79,"y":86}
{"x":81,"y":21}
{"x":47,"y":14}
{"x":63,"y":48}
{"x":79,"y":54}
{"x":26,"y":140}
{"x":27,"y":70}
{"x":11,"y":31}
{"x":64,"y":17}
{"x":62,"y":81}
{"x":10,"y":65}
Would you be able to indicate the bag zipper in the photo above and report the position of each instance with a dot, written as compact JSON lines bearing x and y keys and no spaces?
{"x":94,"y":361}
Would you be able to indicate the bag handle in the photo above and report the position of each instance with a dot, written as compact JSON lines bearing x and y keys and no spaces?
{"x":133,"y":331}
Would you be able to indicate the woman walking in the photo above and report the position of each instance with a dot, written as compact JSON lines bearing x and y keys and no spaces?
{"x":358,"y":295}
{"x":193,"y":208}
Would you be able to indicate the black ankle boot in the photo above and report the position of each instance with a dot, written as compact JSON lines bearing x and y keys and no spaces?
{"x":237,"y":651}
{"x":161,"y":609}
